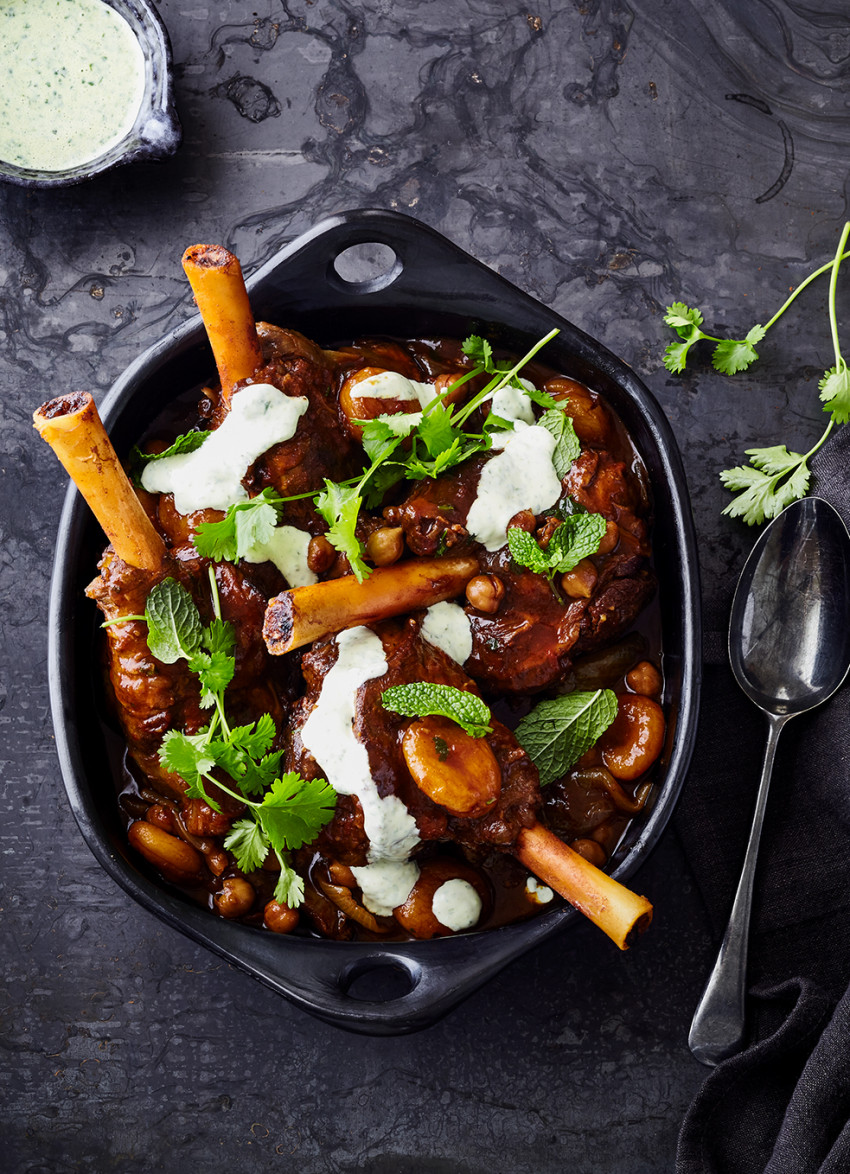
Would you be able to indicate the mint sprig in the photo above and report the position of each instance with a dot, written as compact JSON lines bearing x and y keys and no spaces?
{"x":424,"y":699}
{"x":558,"y":732}
{"x":578,"y":537}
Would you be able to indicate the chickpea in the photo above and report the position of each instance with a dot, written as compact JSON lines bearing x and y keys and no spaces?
{"x":580,"y":581}
{"x":454,"y":769}
{"x":386,"y":545}
{"x":635,"y":739}
{"x":320,"y":554}
{"x":644,"y":678}
{"x":485,"y":592}
{"x":161,"y":816}
{"x":590,"y":850}
{"x":235,"y":897}
{"x":610,"y":538}
{"x":280,"y":918}
{"x":173,"y":857}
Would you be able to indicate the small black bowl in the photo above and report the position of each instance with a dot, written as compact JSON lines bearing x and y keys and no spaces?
{"x":156,"y":133}
{"x":422,"y":285}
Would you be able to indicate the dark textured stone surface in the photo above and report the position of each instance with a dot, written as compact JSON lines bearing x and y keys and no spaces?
{"x":608,"y":158}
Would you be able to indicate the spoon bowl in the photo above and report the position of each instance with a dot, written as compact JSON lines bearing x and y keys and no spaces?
{"x":789,"y":635}
{"x":789,"y":647}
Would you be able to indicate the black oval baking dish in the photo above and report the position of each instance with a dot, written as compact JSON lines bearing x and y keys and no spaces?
{"x":156,"y":132}
{"x":428,"y":287}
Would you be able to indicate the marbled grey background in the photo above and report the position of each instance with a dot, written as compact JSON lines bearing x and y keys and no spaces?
{"x":608,"y":157}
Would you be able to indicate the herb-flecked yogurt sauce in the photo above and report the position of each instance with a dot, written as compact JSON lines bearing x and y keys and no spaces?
{"x":73,"y":82}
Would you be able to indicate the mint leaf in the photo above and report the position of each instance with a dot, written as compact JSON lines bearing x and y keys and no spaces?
{"x":558,"y":732}
{"x":576,"y":538}
{"x":567,"y":445}
{"x":248,"y":843}
{"x":526,"y":551}
{"x":188,"y":442}
{"x":423,"y":699}
{"x":294,"y":809}
{"x":174,"y":624}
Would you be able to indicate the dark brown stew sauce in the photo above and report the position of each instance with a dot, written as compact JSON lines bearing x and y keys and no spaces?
{"x":589,"y":808}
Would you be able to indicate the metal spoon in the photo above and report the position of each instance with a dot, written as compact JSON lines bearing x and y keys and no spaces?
{"x":789,"y":646}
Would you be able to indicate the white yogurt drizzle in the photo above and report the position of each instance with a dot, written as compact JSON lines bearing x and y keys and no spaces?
{"x":541,"y":894}
{"x":446,"y":626}
{"x":328,"y":734}
{"x":521,"y":477}
{"x":287,"y":549}
{"x":456,"y":904}
{"x":211,"y":477}
{"x":394,"y":385}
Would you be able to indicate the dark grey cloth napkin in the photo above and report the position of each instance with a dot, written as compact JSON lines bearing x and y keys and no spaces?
{"x":782,"y":1106}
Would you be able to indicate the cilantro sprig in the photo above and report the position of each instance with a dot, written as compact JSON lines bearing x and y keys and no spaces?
{"x":424,"y":699}
{"x":559,"y":731}
{"x":774,"y":476}
{"x":292,"y":810}
{"x":408,"y":446}
{"x":577,"y":537}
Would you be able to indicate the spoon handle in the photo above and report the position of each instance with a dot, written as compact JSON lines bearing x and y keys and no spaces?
{"x":717,"y":1029}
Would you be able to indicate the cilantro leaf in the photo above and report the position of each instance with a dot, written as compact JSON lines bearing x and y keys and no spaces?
{"x":187,"y":755}
{"x":215,"y":671}
{"x":381,"y":439}
{"x":567,"y":444}
{"x":174,"y":624}
{"x":340,"y":505}
{"x":479,"y":349}
{"x":542,"y":398}
{"x":246,"y":524}
{"x":294,"y":809}
{"x":255,"y":739}
{"x":762,"y":492}
{"x":248,"y":843}
{"x":733,"y":355}
{"x":219,"y":636}
{"x":289,"y":889}
{"x":676,"y":355}
{"x":835,"y":392}
{"x":558,"y":732}
{"x":682,"y":318}
{"x":437,"y":431}
{"x":422,"y":699}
